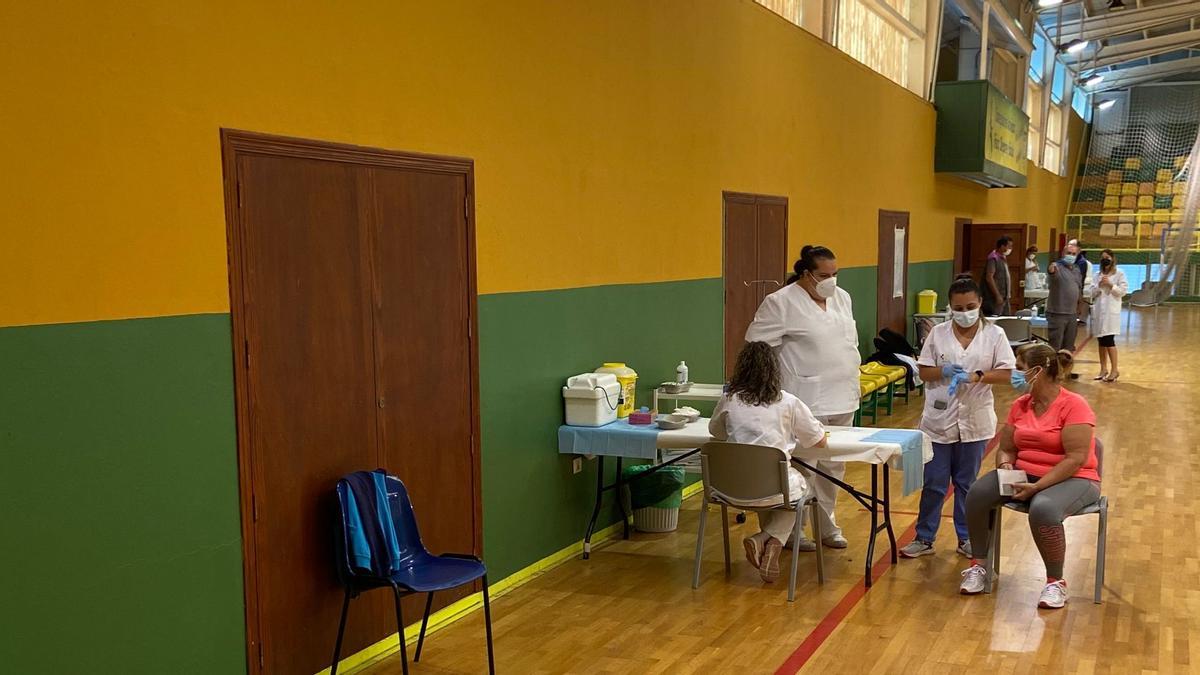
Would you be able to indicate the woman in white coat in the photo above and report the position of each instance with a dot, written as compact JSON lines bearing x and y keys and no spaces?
{"x":757,"y":411}
{"x":1106,"y":291}
{"x":810,"y":324}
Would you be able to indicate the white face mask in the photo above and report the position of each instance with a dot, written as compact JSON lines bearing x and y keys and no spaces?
{"x":826,"y":287}
{"x":965,"y":319}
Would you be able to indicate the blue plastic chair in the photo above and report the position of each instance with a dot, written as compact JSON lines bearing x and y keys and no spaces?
{"x":421,"y":571}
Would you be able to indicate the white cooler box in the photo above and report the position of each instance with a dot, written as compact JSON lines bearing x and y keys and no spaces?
{"x":591,"y":399}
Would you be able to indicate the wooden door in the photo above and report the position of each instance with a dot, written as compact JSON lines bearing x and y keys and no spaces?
{"x":755,"y":262}
{"x":423,"y":312}
{"x":352,"y":297}
{"x":982,"y":241}
{"x":892,"y":294}
{"x":309,"y":374}
{"x":962,"y":245}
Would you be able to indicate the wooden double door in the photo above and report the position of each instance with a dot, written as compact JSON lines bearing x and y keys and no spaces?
{"x":353,"y":304}
{"x":978,"y":240}
{"x":756,"y":262}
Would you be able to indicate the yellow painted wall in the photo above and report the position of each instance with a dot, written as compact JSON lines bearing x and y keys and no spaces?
{"x":594,"y":126}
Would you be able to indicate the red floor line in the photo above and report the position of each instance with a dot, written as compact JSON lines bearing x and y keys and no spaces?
{"x":840,"y":611}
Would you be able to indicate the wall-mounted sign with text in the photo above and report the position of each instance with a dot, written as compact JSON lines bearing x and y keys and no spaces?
{"x":981,"y":134}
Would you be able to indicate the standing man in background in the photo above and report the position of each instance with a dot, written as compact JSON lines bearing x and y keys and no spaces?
{"x":1062,"y":306}
{"x":996,"y":281}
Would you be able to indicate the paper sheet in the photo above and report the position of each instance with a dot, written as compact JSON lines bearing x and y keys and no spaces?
{"x":1008,"y":477}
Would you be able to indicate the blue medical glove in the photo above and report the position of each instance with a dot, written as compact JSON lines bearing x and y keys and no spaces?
{"x":950,"y":369}
{"x":958,"y":378}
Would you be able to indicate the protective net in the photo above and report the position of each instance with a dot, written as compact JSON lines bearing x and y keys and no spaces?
{"x":1137,"y":194}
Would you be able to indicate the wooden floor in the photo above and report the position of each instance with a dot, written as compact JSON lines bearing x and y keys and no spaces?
{"x":631,"y":609}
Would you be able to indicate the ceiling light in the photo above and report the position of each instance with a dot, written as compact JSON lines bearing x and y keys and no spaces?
{"x":1093,"y":80}
{"x":1074,"y":46}
{"x":1049,"y":3}
{"x":1105,"y":105}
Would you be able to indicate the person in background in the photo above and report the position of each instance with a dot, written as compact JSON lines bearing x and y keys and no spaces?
{"x":996,"y":279}
{"x":810,"y":323}
{"x":756,"y":411}
{"x":959,"y":362}
{"x":1085,"y":269}
{"x":1107,"y":291}
{"x":1031,"y":260}
{"x":1049,"y":434}
{"x":1062,"y":305}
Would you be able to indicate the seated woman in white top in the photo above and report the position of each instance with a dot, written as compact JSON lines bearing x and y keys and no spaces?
{"x":756,"y":411}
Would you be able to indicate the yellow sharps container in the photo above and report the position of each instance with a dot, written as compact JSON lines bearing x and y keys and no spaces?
{"x":927,"y":302}
{"x":627,"y":378}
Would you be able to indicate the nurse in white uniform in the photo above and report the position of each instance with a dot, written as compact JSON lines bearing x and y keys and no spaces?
{"x":810,"y":323}
{"x":1107,"y":291}
{"x":959,"y":362}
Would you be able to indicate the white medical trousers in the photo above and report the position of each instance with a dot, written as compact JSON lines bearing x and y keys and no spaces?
{"x":826,"y":491}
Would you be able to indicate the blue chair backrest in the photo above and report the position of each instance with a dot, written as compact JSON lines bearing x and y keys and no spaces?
{"x":403,"y":521}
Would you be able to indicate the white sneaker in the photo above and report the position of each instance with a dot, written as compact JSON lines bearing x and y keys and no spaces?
{"x":835,"y":541}
{"x":974,"y":580}
{"x":1054,"y":595}
{"x":964,"y":549}
{"x":805,"y":545}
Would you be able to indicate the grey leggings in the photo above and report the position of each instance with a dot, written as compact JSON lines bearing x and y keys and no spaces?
{"x":1047,"y":510}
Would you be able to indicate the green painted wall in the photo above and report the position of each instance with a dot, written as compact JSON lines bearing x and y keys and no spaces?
{"x":120,"y":473}
{"x":529,"y":344}
{"x":122,"y":546}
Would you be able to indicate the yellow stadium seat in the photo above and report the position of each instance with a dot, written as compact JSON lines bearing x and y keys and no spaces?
{"x":1133,"y":162}
{"x":1112,"y":190}
{"x":1162,"y":188}
{"x":1145,"y":202}
{"x":1129,"y":189}
{"x":1164,"y":175}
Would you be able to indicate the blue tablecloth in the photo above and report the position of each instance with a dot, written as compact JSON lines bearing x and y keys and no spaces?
{"x":912,"y":459}
{"x":618,"y":439}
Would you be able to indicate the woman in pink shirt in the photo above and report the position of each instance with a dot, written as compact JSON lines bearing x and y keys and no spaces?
{"x":1049,"y":435}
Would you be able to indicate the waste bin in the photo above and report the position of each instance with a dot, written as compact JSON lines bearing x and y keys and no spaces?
{"x":654,"y":498}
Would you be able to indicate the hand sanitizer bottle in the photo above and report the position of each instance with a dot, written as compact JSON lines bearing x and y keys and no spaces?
{"x":681,"y":373}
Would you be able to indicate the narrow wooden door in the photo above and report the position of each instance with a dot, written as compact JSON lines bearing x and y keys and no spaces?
{"x":424,"y":306}
{"x":982,"y":241}
{"x":352,"y":293}
{"x":892,"y":295}
{"x":309,"y":372}
{"x":755,"y":261}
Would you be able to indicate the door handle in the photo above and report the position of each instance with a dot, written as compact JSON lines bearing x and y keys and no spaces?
{"x":760,"y":281}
